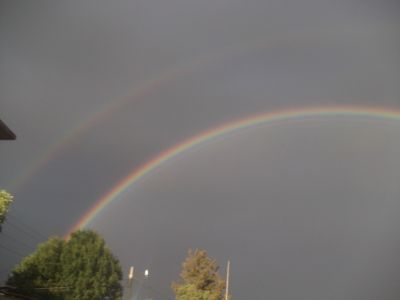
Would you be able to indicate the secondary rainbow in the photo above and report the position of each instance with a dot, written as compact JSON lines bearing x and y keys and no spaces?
{"x":168,"y":76}
{"x":254,"y":120}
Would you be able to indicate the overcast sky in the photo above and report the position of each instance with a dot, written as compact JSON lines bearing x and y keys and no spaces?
{"x":303,"y":209}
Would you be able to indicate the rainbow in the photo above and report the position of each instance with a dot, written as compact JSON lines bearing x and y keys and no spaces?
{"x":144,"y":87}
{"x":73,"y":134}
{"x":254,"y":120}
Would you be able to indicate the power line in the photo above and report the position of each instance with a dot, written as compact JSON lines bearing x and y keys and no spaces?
{"x":15,"y":252}
{"x":23,"y":224}
{"x":22,"y":230}
{"x":65,"y":288}
{"x":53,"y":288}
{"x":4,"y":234}
{"x":157,"y":292}
{"x":26,"y":225}
{"x":151,"y":288}
{"x":5,"y":271}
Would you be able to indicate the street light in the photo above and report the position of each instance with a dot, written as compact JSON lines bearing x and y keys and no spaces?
{"x":128,"y":293}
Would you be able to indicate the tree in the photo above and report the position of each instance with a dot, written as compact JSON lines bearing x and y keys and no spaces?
{"x":5,"y":201}
{"x":39,"y":274}
{"x":87,"y":262}
{"x":81,"y":268}
{"x":199,"y":278}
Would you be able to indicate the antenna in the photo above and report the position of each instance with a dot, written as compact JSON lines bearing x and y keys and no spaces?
{"x":227,"y":280}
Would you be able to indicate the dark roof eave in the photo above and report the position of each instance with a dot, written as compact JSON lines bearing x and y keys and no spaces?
{"x":5,"y":132}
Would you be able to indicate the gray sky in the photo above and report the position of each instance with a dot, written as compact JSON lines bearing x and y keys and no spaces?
{"x":303,"y":209}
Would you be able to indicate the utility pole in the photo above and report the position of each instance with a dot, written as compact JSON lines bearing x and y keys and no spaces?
{"x":227,"y":280}
{"x":129,"y":285}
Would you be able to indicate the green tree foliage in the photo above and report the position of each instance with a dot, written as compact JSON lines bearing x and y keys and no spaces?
{"x":199,"y":278}
{"x":5,"y":201}
{"x":82,"y":268}
{"x":87,"y":262}
{"x":40,"y":272}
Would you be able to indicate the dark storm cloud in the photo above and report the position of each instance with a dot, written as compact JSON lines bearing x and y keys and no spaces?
{"x":62,"y":61}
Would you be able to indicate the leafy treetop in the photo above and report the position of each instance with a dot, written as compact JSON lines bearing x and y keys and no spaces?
{"x":81,"y":268}
{"x":5,"y":201}
{"x":199,"y":278}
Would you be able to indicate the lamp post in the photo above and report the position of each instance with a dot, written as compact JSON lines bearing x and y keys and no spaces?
{"x":128,"y":293}
{"x":129,"y":284}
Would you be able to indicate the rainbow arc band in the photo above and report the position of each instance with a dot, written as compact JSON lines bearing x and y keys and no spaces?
{"x":172,"y":75}
{"x":230,"y":127}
